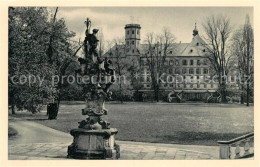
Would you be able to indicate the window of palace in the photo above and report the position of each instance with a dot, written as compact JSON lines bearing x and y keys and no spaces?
{"x":148,"y":86}
{"x":232,"y":78}
{"x":141,"y":79}
{"x":197,"y":71}
{"x":205,"y":71}
{"x":184,"y":62}
{"x":177,"y":71}
{"x":133,"y":42}
{"x":198,"y":62}
{"x":171,"y":62}
{"x":198,"y":77}
{"x":170,"y":71}
{"x":137,"y":31}
{"x":177,"y":62}
{"x":191,"y":71}
{"x":191,"y":62}
{"x":160,"y":52}
{"x":128,"y":32}
{"x":133,"y":31}
{"x":191,"y":85}
{"x":148,"y":79}
{"x":133,"y":51}
{"x":212,"y":85}
{"x":184,"y":71}
{"x":171,"y":85}
{"x":198,"y":86}
{"x":142,"y":62}
{"x":127,"y":42}
{"x":205,"y":62}
{"x":184,"y":85}
{"x":205,"y":85}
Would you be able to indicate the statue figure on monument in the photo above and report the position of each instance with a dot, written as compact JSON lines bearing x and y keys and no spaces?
{"x":94,"y":139}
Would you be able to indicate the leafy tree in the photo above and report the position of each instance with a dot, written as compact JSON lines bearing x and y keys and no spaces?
{"x":38,"y":46}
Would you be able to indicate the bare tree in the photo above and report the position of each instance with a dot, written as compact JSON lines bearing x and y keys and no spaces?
{"x":218,"y":29}
{"x":156,"y":52}
{"x":122,"y":64}
{"x":243,"y":49}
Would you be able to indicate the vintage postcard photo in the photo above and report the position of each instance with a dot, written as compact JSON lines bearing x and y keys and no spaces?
{"x":131,"y":83}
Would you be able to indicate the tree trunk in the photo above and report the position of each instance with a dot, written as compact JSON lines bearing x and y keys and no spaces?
{"x":157,"y":94}
{"x":247,"y":93}
{"x":223,"y":93}
{"x":13,"y":109}
{"x":242,"y":98}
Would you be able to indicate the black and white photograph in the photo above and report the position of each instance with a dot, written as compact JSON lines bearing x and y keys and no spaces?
{"x":130,"y":83}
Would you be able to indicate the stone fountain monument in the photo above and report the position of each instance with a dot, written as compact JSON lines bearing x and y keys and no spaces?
{"x":94,"y":139}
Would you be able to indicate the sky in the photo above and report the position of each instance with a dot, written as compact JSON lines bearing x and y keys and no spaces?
{"x":179,"y":20}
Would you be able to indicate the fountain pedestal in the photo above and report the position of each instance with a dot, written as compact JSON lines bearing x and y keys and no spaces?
{"x":94,"y":144}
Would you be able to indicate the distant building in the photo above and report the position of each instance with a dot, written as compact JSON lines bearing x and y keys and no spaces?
{"x":185,"y":61}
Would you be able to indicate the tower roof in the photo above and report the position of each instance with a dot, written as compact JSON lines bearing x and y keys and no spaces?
{"x":195,"y":31}
{"x":132,"y":26}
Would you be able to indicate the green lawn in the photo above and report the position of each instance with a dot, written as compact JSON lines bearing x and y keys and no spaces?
{"x":164,"y":123}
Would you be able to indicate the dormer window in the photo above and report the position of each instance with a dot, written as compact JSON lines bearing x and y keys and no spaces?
{"x":204,"y":50}
{"x":197,"y":44}
{"x":170,"y":52}
{"x":133,"y":32}
{"x":191,"y":50}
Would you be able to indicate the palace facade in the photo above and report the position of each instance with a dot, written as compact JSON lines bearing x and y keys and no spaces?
{"x":186,"y":64}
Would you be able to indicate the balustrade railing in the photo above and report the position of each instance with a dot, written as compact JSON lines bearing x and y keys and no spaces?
{"x":241,"y":147}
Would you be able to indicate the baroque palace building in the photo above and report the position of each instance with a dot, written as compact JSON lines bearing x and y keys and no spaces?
{"x":186,"y":62}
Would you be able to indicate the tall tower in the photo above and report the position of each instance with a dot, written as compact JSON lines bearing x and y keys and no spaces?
{"x":132,"y":35}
